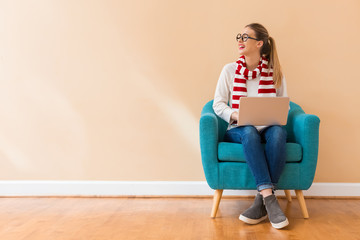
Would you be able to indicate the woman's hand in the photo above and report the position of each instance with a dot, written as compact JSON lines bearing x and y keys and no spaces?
{"x":234,"y":116}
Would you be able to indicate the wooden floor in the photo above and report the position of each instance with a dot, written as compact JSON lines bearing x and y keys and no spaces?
{"x":169,"y":218}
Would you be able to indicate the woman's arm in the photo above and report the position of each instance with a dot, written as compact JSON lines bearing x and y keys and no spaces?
{"x":222,"y":94}
{"x":282,"y":91}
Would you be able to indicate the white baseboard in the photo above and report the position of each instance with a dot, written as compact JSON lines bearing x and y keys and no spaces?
{"x":150,"y":188}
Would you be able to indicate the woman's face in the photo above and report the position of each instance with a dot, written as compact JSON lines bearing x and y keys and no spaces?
{"x":251,"y":46}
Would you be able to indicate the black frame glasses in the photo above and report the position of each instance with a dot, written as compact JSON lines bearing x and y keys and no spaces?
{"x":244,"y":37}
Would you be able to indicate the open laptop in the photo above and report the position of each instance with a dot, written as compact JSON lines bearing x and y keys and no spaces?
{"x":260,"y":111}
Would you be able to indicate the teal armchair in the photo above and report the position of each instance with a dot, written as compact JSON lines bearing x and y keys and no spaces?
{"x":225,"y":166}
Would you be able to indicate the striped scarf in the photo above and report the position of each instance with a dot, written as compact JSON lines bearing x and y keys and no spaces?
{"x":242,"y":74}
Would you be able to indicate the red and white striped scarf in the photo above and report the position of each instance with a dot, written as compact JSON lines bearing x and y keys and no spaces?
{"x":242,"y":74}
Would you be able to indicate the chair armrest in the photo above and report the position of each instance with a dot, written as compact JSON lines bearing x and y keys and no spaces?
{"x":209,"y":148}
{"x":306,"y":133}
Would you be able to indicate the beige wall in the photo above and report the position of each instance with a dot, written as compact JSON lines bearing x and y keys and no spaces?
{"x":112,"y":90}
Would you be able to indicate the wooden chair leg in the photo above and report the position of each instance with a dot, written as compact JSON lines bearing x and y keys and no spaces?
{"x":216,"y":202}
{"x":288,"y":195}
{"x":300,"y":197}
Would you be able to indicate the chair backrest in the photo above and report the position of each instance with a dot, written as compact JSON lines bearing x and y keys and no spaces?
{"x":222,"y":125}
{"x":294,"y":110}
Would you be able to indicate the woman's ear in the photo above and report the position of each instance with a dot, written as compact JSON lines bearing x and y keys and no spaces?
{"x":259,"y":44}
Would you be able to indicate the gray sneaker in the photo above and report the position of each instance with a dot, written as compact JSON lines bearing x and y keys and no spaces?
{"x":256,"y":213}
{"x":276,"y":216}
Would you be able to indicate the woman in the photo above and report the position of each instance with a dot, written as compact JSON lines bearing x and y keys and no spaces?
{"x":257,"y":73}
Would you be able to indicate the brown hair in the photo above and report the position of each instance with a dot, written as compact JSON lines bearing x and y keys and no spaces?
{"x":268,"y":50}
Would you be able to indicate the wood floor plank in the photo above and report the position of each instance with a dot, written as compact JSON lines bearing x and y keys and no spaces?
{"x":169,"y":218}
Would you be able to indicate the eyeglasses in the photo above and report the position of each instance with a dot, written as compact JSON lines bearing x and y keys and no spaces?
{"x":244,"y":37}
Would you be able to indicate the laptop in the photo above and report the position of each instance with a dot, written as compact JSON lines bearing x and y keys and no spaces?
{"x":260,"y":111}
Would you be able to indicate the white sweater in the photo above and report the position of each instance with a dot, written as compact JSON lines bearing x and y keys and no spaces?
{"x":224,"y":88}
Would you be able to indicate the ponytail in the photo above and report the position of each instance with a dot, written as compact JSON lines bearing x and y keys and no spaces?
{"x":275,"y":63}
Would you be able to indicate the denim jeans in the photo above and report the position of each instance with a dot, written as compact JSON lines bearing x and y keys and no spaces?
{"x":266,"y":166}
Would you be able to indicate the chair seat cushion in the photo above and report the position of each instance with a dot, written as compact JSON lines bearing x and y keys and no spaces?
{"x":233,"y":152}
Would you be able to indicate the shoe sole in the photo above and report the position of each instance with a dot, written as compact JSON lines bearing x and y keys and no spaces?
{"x":252,"y":221}
{"x":281,"y":224}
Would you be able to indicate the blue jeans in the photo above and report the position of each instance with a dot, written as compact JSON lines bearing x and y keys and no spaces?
{"x":266,"y":166}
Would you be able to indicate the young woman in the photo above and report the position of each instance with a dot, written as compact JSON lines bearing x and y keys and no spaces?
{"x":257,"y":73}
